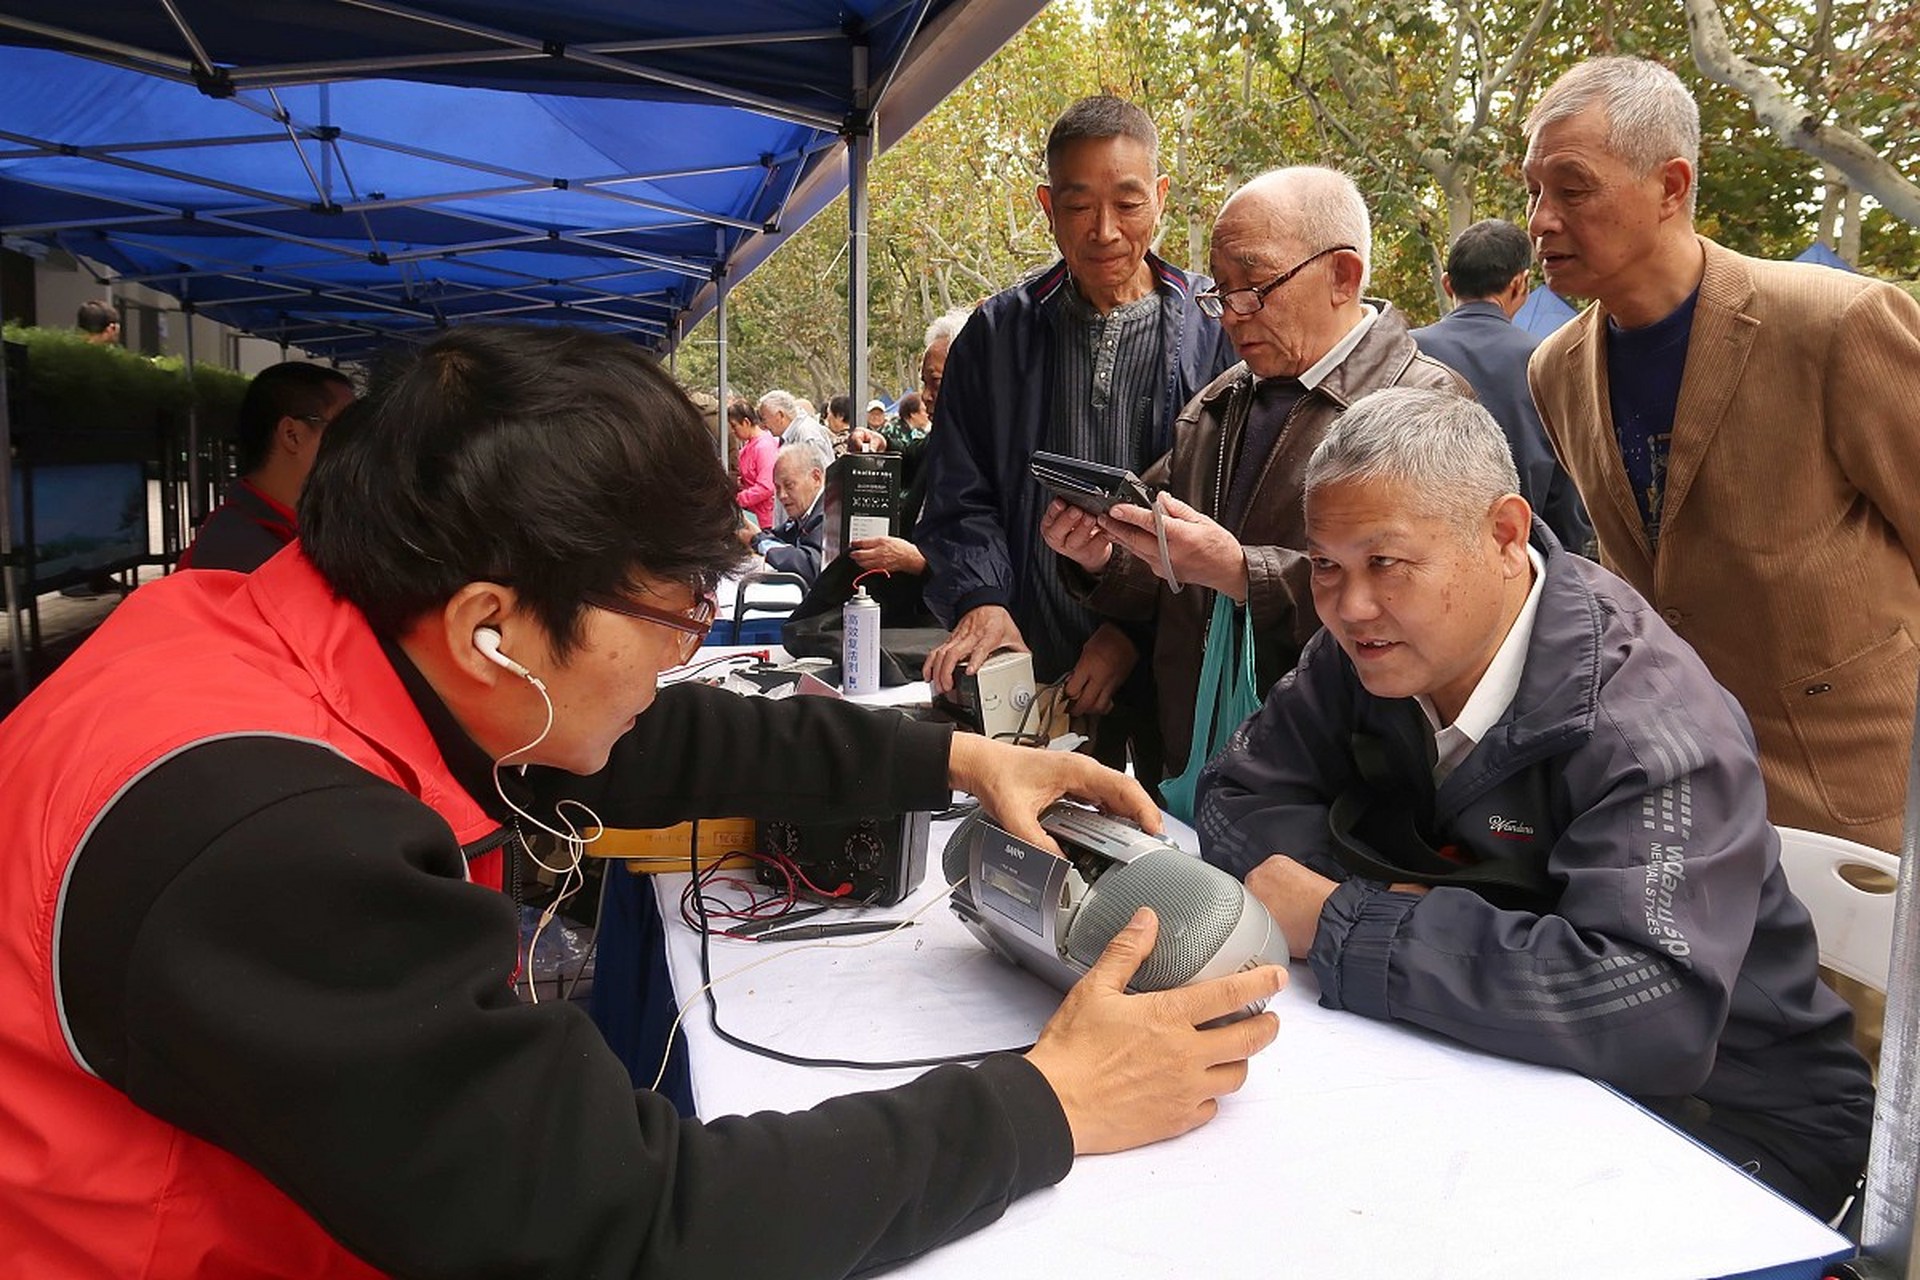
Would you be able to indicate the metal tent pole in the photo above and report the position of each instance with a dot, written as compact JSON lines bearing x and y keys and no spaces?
{"x":15,"y":645}
{"x":859,"y":162}
{"x":196,"y":499}
{"x":1893,"y":1167}
{"x":720,"y":332}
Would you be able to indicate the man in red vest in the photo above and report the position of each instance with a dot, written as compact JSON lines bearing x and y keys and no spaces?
{"x":287,"y":407}
{"x":256,"y":1013}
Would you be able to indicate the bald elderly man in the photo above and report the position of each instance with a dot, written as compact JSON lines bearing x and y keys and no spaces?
{"x":1290,"y":260}
{"x":799,"y":545}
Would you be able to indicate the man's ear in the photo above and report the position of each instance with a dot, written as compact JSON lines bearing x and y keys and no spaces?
{"x":1512,"y":522}
{"x":484,"y":604}
{"x":1676,"y":185}
{"x":1044,"y":194}
{"x":1345,"y":277}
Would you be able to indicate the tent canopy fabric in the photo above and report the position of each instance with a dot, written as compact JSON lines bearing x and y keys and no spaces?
{"x":1543,"y":312}
{"x":1823,"y":255}
{"x":334,"y":174}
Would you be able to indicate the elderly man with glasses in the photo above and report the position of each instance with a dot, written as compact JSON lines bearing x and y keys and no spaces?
{"x":1289,"y":255}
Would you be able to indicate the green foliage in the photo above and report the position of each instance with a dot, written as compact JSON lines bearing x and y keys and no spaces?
{"x":73,"y":384}
{"x":1421,"y":101}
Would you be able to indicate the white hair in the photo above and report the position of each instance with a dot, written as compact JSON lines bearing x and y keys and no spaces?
{"x":1444,"y":447}
{"x":946,"y":328}
{"x":1651,"y":117}
{"x":1321,"y":206}
{"x":781,"y":402}
{"x":805,"y":454}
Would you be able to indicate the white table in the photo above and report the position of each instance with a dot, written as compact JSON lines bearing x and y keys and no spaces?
{"x":1357,"y":1148}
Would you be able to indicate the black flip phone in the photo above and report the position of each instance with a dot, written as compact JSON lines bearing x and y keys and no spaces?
{"x":1091,"y":486}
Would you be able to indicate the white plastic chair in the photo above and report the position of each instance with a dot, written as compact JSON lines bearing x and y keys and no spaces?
{"x":1854,"y":925}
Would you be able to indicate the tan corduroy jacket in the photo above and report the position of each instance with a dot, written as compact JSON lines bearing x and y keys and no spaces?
{"x":1790,"y":525}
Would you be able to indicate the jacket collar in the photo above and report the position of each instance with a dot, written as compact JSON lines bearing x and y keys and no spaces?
{"x":1721,"y":340}
{"x":353,"y":675}
{"x":1478,"y":309}
{"x":1381,"y":355}
{"x":1559,"y":694}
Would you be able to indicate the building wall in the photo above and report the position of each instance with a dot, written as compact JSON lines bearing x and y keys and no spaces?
{"x":152,"y":322}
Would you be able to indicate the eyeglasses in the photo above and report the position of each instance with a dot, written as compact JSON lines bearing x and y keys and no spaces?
{"x":1244,"y":302}
{"x":693,"y":624}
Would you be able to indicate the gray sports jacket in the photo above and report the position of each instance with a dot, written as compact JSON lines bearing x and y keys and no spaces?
{"x":1608,"y":894}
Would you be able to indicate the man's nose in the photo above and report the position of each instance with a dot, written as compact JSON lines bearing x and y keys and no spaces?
{"x":1356,"y":601}
{"x":1541,"y":219}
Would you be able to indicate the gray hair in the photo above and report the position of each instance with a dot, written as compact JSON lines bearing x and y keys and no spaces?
{"x":1444,"y":447}
{"x":1651,"y":117}
{"x":1322,"y":206}
{"x":781,"y":402}
{"x":805,"y":454}
{"x":1099,"y":118}
{"x":947,"y":327}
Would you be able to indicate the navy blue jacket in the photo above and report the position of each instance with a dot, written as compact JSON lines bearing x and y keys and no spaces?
{"x":798,"y":546}
{"x":1643,"y":933}
{"x":1478,"y":342}
{"x":982,"y":514}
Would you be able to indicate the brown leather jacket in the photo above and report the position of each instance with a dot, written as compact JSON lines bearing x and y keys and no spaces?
{"x":1205,"y":437}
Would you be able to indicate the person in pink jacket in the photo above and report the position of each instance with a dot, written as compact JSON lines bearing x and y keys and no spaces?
{"x":758,"y":448}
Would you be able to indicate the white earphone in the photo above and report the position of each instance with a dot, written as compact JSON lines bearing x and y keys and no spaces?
{"x":487,"y":641}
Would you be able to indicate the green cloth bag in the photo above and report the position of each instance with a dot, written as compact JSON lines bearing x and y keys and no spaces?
{"x":1228,"y":693}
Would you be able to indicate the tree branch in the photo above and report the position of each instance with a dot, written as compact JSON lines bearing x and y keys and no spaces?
{"x":1833,"y":145}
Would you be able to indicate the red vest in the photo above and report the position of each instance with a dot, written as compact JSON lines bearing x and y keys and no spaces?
{"x":91,"y":1185}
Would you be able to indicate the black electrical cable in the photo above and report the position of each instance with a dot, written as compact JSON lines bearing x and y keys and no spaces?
{"x":791,"y":1059}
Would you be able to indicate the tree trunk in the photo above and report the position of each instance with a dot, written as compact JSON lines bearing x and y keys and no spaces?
{"x":1832,"y":188}
{"x":1849,"y":245}
{"x":1833,"y":145}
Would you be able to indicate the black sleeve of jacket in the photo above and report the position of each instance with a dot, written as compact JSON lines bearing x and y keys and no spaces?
{"x":701,"y":752}
{"x":962,"y":528}
{"x":278,"y":952}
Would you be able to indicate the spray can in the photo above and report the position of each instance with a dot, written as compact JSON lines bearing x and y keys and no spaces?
{"x":860,"y":644}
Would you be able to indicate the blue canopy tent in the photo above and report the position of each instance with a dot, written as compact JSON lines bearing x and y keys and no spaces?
{"x":1543,"y":312}
{"x":1823,"y":255}
{"x":336,"y":174}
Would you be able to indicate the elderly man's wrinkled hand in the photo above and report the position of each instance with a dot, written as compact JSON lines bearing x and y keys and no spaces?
{"x":981,"y":632}
{"x":1105,"y":662}
{"x":1293,"y":895}
{"x":1077,"y":535}
{"x":1200,"y":550}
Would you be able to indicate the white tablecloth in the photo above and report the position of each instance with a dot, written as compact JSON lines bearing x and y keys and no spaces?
{"x":1357,"y":1148}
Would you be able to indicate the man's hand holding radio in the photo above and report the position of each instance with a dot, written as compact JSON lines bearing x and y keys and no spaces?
{"x":1200,"y":549}
{"x":1014,"y":784}
{"x":1134,"y":1069}
{"x":1077,"y":535}
{"x":981,"y":632}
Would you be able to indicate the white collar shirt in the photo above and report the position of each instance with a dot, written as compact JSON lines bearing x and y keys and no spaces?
{"x":1340,"y":350}
{"x":1494,"y":694}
